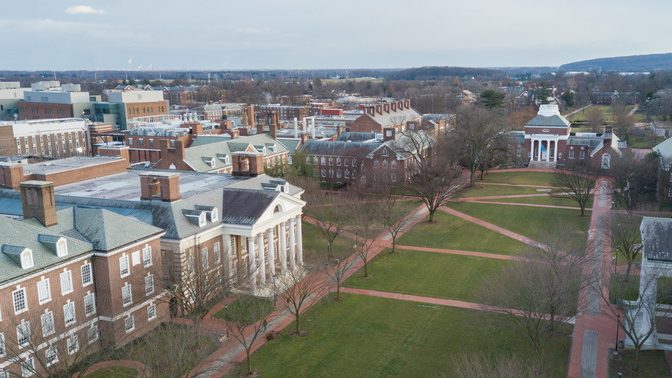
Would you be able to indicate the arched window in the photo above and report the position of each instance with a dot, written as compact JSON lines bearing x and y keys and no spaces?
{"x":61,"y":247}
{"x":606,"y":161}
{"x":27,"y":259}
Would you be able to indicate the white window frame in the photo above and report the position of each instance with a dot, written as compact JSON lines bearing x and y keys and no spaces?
{"x":68,"y":274}
{"x":147,"y":256}
{"x":132,"y":323}
{"x":92,"y":333}
{"x":54,"y":349}
{"x":46,"y":289}
{"x":149,"y":284}
{"x":23,"y":297}
{"x":90,"y":269}
{"x":151,"y":309}
{"x":92,"y":298}
{"x":20,"y":333}
{"x":46,"y":320}
{"x":69,"y":308}
{"x":27,"y":366}
{"x":123,"y":260}
{"x":3,"y":348}
{"x":127,"y":289}
{"x":73,"y":340}
{"x":204,"y":257}
{"x":217,"y":250}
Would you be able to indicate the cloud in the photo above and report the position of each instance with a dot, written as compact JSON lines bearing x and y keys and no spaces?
{"x":83,"y":9}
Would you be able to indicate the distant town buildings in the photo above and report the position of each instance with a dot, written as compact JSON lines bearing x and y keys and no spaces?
{"x":50,"y":99}
{"x":45,"y":138}
{"x":10,"y":95}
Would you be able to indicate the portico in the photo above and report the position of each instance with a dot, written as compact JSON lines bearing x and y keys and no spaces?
{"x":544,"y":149}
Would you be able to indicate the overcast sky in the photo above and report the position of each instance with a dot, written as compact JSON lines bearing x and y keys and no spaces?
{"x":263,"y":34}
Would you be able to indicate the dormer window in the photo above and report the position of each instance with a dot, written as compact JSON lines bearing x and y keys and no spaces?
{"x":61,"y":247}
{"x":211,"y":212}
{"x":27,"y":259}
{"x":214,"y":215}
{"x":196,"y":217}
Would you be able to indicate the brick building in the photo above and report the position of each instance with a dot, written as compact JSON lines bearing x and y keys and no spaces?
{"x":396,"y":114}
{"x":11,"y":94}
{"x":49,"y":138}
{"x":132,"y":103}
{"x":49,"y":100}
{"x":74,"y":280}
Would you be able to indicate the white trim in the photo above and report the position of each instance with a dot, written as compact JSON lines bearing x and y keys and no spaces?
{"x":14,"y":282}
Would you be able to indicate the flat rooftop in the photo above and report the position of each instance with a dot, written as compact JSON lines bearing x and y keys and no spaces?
{"x":66,"y":164}
{"x":126,"y":185}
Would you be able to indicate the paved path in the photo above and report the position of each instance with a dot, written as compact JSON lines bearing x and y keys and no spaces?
{"x":486,"y":255}
{"x":522,"y":204}
{"x":493,"y":227}
{"x":577,"y":110}
{"x":438,"y":301}
{"x":231,"y":353}
{"x":503,"y":196}
{"x":517,"y":185}
{"x":595,"y":329}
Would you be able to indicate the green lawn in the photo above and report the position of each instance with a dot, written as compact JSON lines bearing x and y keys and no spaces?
{"x":401,"y":209}
{"x":429,"y":274}
{"x":315,"y":246}
{"x":454,"y":233}
{"x":364,"y":336}
{"x":521,"y":178}
{"x":533,"y":222}
{"x":548,"y":200}
{"x":644,"y":142}
{"x":115,"y":372}
{"x":651,"y":364}
{"x":607,"y":113}
{"x":246,"y":309}
{"x":483,"y":190}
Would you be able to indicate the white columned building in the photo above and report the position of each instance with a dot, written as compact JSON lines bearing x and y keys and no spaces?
{"x":548,"y":133}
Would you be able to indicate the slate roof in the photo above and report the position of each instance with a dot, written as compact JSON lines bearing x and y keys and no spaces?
{"x":337,"y":148}
{"x":657,"y":238}
{"x":394,"y":118}
{"x":18,"y":235}
{"x":664,"y":148}
{"x":291,"y":144}
{"x":211,"y":148}
{"x":246,"y":206}
{"x":552,"y":121}
{"x":356,"y":136}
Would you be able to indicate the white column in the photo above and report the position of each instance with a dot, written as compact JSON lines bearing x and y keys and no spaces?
{"x":252,"y":264}
{"x":299,"y":241}
{"x":648,"y":281}
{"x":305,"y":124}
{"x":271,"y":250}
{"x":226,"y":240}
{"x":555,"y":151}
{"x":262,"y":259}
{"x":312,"y":119}
{"x":539,"y":150}
{"x":292,"y":244}
{"x":283,"y":247}
{"x":548,"y":151}
{"x":296,"y":128}
{"x":532,"y":149}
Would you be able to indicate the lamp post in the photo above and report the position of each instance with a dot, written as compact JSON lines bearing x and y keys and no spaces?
{"x":618,"y":325}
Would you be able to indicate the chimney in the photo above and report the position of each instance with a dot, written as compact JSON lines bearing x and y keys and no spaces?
{"x":37,"y":198}
{"x":260,"y":128}
{"x":11,"y":175}
{"x":115,"y":151}
{"x":386,"y":107}
{"x":247,"y":164}
{"x":407,"y":104}
{"x":393,"y":105}
{"x":339,"y":130}
{"x":608,"y":135}
{"x":276,"y":118}
{"x":242,"y":131}
{"x":379,"y":109}
{"x":250,"y":116}
{"x":273,"y":131}
{"x":172,"y":149}
{"x":304,"y":138}
{"x":226,"y":125}
{"x":234,"y":133}
{"x":165,"y":187}
{"x":388,"y":134}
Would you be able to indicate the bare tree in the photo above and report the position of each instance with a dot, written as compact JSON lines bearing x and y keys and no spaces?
{"x":365,"y":236}
{"x":626,"y":239}
{"x":577,"y":183}
{"x":474,"y":139}
{"x":296,"y":289}
{"x":541,"y":292}
{"x":594,"y":118}
{"x":247,"y":319}
{"x":327,"y":209}
{"x":433,"y":177}
{"x":390,"y":217}
{"x":636,"y":179}
{"x":338,"y":271}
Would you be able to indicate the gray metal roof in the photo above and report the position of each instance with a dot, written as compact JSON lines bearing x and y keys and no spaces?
{"x":314,"y":147}
{"x":657,"y":238}
{"x":552,"y":121}
{"x":15,"y":235}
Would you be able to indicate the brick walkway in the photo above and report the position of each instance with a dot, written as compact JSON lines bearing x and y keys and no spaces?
{"x":595,"y":329}
{"x":524,"y":204}
{"x":462,"y":253}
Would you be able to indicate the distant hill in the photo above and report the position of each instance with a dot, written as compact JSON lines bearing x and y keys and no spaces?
{"x":632,"y":63}
{"x":437,"y":73}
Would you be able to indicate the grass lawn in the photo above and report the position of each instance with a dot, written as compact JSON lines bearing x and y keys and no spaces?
{"x":521,"y":178}
{"x":607,"y":114}
{"x":315,"y":246}
{"x":651,"y":364}
{"x":401,"y":209}
{"x":533,"y":222}
{"x":246,"y":309}
{"x":428,"y":274}
{"x":643,"y":142}
{"x":451,"y":232}
{"x":113,"y":372}
{"x":365,"y":336}
{"x":483,"y":190}
{"x":548,"y":200}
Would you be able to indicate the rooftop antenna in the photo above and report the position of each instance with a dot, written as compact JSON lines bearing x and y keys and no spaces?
{"x":54,"y":75}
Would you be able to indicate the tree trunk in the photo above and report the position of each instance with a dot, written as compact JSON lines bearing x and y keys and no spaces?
{"x":431,"y":215}
{"x":394,"y":243}
{"x":297,"y":316}
{"x":627,"y":270}
{"x":338,"y":290}
{"x":637,"y":348}
{"x":249,"y":361}
{"x":329,"y":255}
{"x":366,"y":269}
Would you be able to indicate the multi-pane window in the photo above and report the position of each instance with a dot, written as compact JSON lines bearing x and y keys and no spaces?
{"x":73,"y":344}
{"x":23,"y":333}
{"x":47,"y":320}
{"x":124,"y":269}
{"x":20,"y":302}
{"x":582,"y":154}
{"x":66,"y":282}
{"x":204,"y":258}
{"x":87,"y":276}
{"x":218,"y":252}
{"x":129,"y":323}
{"x":3,"y":351}
{"x":151,"y":312}
{"x":28,"y":367}
{"x":69,"y":313}
{"x":51,"y":355}
{"x":149,"y":284}
{"x":147,"y":256}
{"x":89,"y":304}
{"x":92,"y":333}
{"x":126,"y":294}
{"x":44,"y":291}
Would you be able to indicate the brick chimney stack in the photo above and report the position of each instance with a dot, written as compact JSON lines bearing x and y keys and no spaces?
{"x":38,"y":201}
{"x":388,"y":133}
{"x":11,"y":175}
{"x":247,"y":164}
{"x":250,"y":116}
{"x":163,"y":186}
